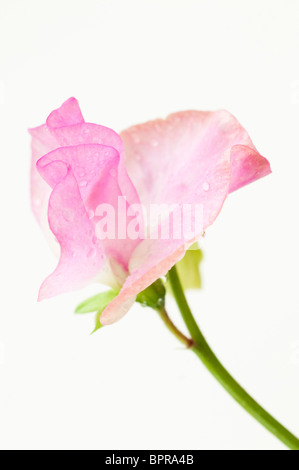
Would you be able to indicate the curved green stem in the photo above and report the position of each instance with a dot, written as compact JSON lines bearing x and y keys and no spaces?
{"x":183,"y":305}
{"x":204,"y":352}
{"x":173,"y":329}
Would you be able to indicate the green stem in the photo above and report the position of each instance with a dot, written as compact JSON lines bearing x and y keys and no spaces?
{"x":173,"y":329}
{"x":204,"y":352}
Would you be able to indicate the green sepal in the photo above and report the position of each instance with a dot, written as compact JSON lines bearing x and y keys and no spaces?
{"x":153,"y":296}
{"x":188,"y":269}
{"x":98,"y":324}
{"x":97,"y":303}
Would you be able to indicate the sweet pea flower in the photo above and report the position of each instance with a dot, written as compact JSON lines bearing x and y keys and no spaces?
{"x":192,"y":157}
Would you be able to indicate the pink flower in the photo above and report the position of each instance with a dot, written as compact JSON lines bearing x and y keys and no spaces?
{"x":191,"y":158}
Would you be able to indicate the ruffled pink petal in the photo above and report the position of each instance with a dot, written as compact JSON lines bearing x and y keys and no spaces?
{"x":40,"y":191}
{"x":69,"y":113}
{"x":247,"y":166}
{"x":191,"y":157}
{"x":65,"y":127}
{"x":152,"y":259}
{"x":95,"y":168}
{"x":151,"y":267}
{"x":157,"y":151}
{"x":82,"y":257}
{"x":86,"y":133}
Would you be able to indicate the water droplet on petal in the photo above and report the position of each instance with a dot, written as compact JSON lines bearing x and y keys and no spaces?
{"x":136,"y":138}
{"x":69,"y":215}
{"x":206,"y":186}
{"x":91,"y":214}
{"x":81,"y":172}
{"x":91,"y":253}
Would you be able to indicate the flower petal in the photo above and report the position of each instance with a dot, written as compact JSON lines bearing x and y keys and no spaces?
{"x":95,"y":169}
{"x":65,"y":127}
{"x":156,"y":152}
{"x":155,"y":266}
{"x":191,"y":157}
{"x":69,"y":113}
{"x":82,"y":257}
{"x":247,"y":166}
{"x":152,"y":259}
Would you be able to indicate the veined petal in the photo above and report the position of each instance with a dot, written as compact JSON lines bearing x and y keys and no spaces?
{"x":159,"y":153}
{"x":152,"y":259}
{"x":82,"y":257}
{"x":95,"y":168}
{"x":65,"y":127}
{"x":42,"y":142}
{"x":190,"y":158}
{"x":247,"y":166}
{"x":69,"y":113}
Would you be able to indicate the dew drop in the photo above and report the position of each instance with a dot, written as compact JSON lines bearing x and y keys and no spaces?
{"x":91,"y":253}
{"x":37,"y":202}
{"x":136,"y":138}
{"x":81,"y":172}
{"x":69,"y":215}
{"x":91,"y":214}
{"x":206,"y":186}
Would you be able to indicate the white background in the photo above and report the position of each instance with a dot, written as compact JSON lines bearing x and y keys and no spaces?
{"x":131,"y":386}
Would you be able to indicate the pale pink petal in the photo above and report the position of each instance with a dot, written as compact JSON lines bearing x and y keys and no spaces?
{"x":82,"y":257}
{"x":156,"y":152}
{"x":152,"y":259}
{"x":156,"y":265}
{"x":95,"y":168}
{"x":247,"y":166}
{"x":86,"y":133}
{"x":69,"y":113}
{"x":191,"y":157}
{"x":40,"y":191}
{"x":65,"y":127}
